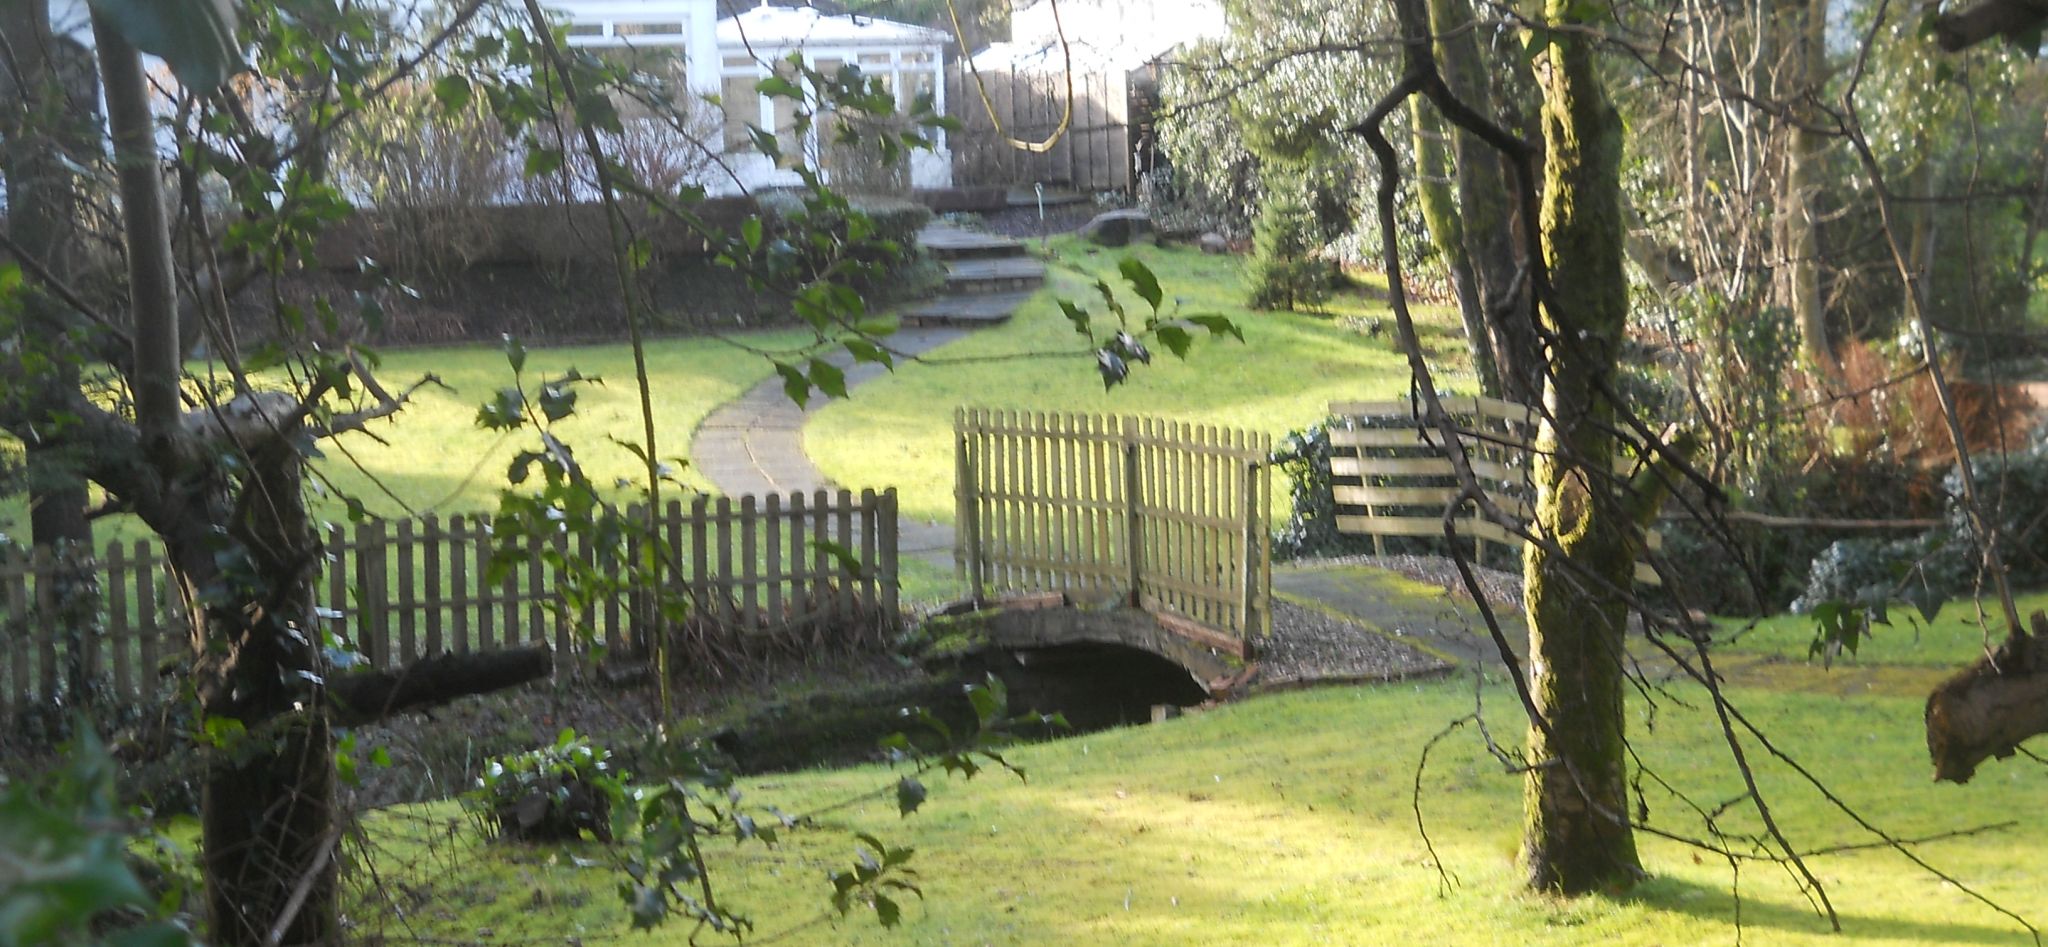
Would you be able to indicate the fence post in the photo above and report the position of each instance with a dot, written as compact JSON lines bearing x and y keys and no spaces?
{"x":967,"y":545}
{"x":147,"y":627}
{"x":1252,"y":527}
{"x":370,"y":592}
{"x":886,"y":546}
{"x":1134,"y":524}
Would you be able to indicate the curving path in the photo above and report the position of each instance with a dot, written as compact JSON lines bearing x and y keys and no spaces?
{"x":754,"y":445}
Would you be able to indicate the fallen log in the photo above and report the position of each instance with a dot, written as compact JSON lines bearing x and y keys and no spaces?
{"x":1987,"y":709}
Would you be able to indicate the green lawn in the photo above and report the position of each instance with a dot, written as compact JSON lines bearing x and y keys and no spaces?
{"x":1956,"y":636}
{"x":432,"y":457}
{"x":1289,"y":368}
{"x":1287,"y":819}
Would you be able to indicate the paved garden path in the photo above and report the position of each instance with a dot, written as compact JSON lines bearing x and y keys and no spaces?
{"x":754,"y":445}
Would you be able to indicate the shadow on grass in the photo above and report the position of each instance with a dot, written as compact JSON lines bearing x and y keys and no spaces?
{"x":1717,"y":905}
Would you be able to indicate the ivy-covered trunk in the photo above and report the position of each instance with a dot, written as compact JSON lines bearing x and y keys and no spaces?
{"x":267,"y":811}
{"x":1577,"y":836}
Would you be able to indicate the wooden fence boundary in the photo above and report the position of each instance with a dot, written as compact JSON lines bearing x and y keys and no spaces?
{"x":754,"y":564}
{"x":1095,"y":154}
{"x":1162,"y":514}
{"x":1390,"y":476}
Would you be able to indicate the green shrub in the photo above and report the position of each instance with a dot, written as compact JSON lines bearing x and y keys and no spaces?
{"x":1286,"y":272}
{"x":1311,"y":527}
{"x":1942,"y":563}
{"x":552,"y":794}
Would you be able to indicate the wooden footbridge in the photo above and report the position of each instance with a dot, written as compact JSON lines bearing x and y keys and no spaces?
{"x":1111,"y":531}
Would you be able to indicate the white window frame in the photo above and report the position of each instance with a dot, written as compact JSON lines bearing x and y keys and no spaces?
{"x":768,"y":108}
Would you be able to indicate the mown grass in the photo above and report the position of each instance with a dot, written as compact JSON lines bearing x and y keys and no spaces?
{"x":1290,"y":366}
{"x":1957,"y":635}
{"x":1288,"y":819}
{"x":432,"y":457}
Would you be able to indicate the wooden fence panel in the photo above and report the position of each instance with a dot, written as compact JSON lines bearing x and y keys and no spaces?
{"x":1092,"y":154}
{"x":1392,"y":477}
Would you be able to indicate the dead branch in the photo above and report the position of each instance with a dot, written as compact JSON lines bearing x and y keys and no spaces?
{"x":357,"y":699}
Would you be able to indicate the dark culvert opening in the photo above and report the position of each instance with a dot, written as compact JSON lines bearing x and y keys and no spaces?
{"x":1093,"y":685}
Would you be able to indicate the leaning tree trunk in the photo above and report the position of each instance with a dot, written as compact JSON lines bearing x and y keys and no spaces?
{"x":1433,"y":169}
{"x":1485,"y":208}
{"x":1577,"y":836}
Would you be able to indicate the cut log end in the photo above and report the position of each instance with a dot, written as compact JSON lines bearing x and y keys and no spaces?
{"x":1986,"y":710}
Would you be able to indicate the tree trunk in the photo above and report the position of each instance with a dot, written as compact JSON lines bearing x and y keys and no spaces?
{"x":1806,"y":23}
{"x":1433,"y":168}
{"x":1577,"y":836}
{"x":1486,"y":208}
{"x":38,"y":129}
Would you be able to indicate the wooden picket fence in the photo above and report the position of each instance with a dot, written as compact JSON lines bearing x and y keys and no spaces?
{"x":404,"y":589}
{"x":1165,"y":515}
{"x":1391,"y":477}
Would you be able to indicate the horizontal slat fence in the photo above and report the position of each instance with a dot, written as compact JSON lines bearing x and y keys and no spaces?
{"x":1391,"y":476}
{"x":1170,"y":516}
{"x":405,"y":589}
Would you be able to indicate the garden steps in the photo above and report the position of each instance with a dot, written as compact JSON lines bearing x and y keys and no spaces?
{"x":987,"y":277}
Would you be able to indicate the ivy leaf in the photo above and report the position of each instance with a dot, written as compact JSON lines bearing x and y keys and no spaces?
{"x":453,"y":92}
{"x":1132,"y":349}
{"x":1076,"y":315}
{"x":887,"y":911}
{"x":909,"y":795}
{"x":515,"y":353}
{"x":1217,"y":325}
{"x":794,"y":384}
{"x":863,"y":350}
{"x":1142,"y":280}
{"x":828,"y":378}
{"x":195,"y":37}
{"x":779,"y":87}
{"x":1921,"y":597}
{"x":1175,"y":338}
{"x":503,"y":412}
{"x":541,"y":162}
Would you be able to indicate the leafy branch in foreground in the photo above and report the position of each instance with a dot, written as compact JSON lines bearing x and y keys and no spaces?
{"x":1116,"y":349}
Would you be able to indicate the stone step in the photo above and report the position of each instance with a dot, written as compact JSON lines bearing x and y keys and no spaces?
{"x":973,"y":310}
{"x":997,"y":275}
{"x":953,"y":243}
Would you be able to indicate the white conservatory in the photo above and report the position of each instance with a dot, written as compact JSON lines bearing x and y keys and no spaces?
{"x":726,"y":58}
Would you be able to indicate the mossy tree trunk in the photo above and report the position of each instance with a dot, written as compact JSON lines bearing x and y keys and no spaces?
{"x":1577,"y":837}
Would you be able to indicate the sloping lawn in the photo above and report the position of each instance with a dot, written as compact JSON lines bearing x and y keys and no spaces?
{"x":1287,"y":820}
{"x":432,"y":457}
{"x":897,"y":430}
